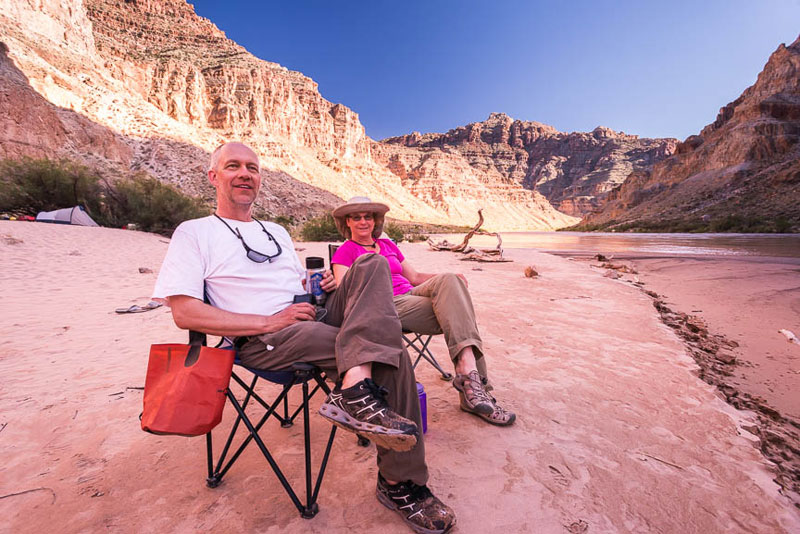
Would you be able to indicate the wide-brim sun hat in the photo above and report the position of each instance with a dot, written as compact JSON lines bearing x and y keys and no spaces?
{"x":360,"y":204}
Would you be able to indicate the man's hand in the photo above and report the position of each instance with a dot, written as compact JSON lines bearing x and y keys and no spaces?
{"x":328,"y":282}
{"x":290,"y":315}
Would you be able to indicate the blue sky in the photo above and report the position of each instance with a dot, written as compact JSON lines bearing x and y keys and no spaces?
{"x":655,"y":69}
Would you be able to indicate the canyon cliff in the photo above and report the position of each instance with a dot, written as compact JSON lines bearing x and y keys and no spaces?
{"x":573,"y":171}
{"x":742,"y":172}
{"x":149,"y":86}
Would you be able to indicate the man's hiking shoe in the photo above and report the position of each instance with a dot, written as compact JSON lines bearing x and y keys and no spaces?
{"x":475,"y":399}
{"x":418,"y":507}
{"x":363,"y":409}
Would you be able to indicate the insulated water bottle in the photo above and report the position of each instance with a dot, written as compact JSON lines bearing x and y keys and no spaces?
{"x":315,"y":267}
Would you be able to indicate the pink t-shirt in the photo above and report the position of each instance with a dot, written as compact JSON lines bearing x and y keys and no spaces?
{"x":350,"y":250}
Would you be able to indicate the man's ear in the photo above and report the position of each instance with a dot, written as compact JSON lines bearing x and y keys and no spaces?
{"x":212,"y":177}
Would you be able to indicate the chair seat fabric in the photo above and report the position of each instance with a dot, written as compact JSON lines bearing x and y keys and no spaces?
{"x":276,"y":377}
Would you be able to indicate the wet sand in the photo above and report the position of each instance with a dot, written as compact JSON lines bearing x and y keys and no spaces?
{"x":615,"y":431}
{"x":729,"y":311}
{"x":747,"y":300}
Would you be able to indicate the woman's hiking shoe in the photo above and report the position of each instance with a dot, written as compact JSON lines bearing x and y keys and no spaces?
{"x":475,"y":399}
{"x":363,"y":409}
{"x":418,"y":507}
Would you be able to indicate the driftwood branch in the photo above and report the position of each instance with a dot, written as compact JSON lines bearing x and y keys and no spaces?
{"x":471,"y":253}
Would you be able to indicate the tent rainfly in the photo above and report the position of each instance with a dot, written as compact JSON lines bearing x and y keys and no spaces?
{"x":76,"y":215}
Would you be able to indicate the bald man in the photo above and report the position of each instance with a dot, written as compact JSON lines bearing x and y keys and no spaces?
{"x":250,"y":273}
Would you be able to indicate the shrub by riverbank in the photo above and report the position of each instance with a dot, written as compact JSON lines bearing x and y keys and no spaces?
{"x":738,"y":224}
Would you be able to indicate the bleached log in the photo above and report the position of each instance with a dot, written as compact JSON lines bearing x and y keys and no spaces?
{"x":464,"y":247}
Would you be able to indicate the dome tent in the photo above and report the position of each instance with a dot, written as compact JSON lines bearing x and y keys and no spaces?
{"x":76,"y":215}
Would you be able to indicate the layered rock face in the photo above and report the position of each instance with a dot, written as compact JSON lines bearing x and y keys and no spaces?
{"x":188,"y":69}
{"x":32,"y":125}
{"x":158,"y":87}
{"x":746,"y":163}
{"x":573,"y":171}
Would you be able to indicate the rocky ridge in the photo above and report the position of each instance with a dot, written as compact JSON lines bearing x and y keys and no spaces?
{"x":165,"y":86}
{"x":573,"y":171}
{"x":746,"y":164}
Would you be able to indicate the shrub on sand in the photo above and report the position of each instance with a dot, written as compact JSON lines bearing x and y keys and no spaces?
{"x":394,"y":232}
{"x":30,"y":185}
{"x":321,"y":228}
{"x":151,"y":205}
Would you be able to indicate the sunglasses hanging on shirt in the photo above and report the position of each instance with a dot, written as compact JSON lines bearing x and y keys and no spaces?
{"x":252,"y":254}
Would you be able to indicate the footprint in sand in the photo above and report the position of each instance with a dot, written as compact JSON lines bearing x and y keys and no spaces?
{"x":559,"y":477}
{"x":514,"y":474}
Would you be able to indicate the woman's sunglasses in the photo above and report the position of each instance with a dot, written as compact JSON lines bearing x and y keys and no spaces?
{"x":252,"y":254}
{"x":356,"y":218}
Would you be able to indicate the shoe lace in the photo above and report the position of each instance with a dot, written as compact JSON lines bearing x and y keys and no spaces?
{"x":419,"y":493}
{"x":477,"y":391}
{"x":415,"y":492}
{"x":378,"y":392}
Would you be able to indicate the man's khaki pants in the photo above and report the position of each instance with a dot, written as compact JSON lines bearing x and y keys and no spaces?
{"x":361,"y":326}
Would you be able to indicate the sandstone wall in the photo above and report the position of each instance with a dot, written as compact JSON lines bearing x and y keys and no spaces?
{"x":573,"y":171}
{"x":165,"y":86}
{"x":153,"y":87}
{"x":747,"y":162}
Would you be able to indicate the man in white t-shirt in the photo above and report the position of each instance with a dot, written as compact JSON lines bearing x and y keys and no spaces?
{"x":249,"y":272}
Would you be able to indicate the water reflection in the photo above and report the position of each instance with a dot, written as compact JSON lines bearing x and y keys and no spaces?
{"x":773,"y":245}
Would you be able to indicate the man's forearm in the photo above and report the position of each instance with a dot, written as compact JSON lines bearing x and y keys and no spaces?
{"x":192,"y":314}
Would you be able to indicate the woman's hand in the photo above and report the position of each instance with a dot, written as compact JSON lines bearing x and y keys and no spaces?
{"x":328,"y":282}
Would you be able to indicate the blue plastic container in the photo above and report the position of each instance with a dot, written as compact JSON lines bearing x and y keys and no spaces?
{"x":423,"y":406}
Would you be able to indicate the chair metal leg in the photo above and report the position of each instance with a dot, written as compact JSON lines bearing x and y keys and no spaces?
{"x":220,"y":471}
{"x":212,"y":480}
{"x":320,"y":379}
{"x":287,"y":422}
{"x":301,"y":376}
{"x":310,"y":509}
{"x":423,"y":351}
{"x":254,"y":435}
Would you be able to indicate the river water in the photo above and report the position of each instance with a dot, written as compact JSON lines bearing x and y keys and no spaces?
{"x":636,"y":244}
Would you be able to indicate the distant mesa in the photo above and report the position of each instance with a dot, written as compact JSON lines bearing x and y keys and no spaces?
{"x":573,"y":171}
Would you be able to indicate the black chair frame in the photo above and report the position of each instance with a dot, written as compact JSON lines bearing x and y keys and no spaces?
{"x":419,"y":342}
{"x":301,"y":374}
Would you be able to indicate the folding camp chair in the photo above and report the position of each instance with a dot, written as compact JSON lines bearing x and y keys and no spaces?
{"x":301,"y":374}
{"x":414,"y":341}
{"x":419,"y":342}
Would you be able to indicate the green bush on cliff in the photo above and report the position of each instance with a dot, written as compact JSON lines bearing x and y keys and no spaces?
{"x":394,"y":232}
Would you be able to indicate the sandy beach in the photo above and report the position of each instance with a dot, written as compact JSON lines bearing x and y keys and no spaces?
{"x":615,"y":431}
{"x":748,"y":301}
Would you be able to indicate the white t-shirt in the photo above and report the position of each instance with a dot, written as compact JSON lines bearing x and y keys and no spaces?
{"x":205,"y":250}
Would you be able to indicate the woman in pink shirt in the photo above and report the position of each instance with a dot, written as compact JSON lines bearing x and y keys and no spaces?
{"x":426,"y":303}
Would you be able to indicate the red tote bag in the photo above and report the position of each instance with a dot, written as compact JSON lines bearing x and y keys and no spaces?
{"x":185,"y":388}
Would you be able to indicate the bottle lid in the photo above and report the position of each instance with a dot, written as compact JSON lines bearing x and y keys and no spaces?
{"x":313,"y":262}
